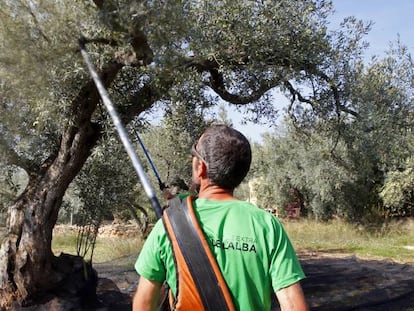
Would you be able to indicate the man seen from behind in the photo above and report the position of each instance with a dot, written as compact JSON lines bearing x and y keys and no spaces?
{"x":249,"y":244}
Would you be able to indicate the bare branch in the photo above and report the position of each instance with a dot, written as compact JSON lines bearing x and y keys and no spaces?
{"x":217,"y":82}
{"x":296,"y":95}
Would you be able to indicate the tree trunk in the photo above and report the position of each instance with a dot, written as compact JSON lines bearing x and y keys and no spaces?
{"x":27,"y":265}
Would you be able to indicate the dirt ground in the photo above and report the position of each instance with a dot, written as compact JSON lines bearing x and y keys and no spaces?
{"x":335,"y":282}
{"x":344,"y":282}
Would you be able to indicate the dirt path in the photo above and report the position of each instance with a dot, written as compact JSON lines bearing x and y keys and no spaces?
{"x":335,"y":282}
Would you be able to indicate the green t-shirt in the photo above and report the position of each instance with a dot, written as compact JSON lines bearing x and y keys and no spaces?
{"x":250,"y":245}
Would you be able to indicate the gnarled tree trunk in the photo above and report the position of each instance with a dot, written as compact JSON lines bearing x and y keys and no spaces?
{"x":27,"y":265}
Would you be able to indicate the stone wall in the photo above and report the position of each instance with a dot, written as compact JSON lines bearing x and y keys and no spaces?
{"x":115,"y":230}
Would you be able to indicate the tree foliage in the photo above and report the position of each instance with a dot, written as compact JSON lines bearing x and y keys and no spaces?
{"x":183,"y":56}
{"x":398,"y":191}
{"x":344,"y":165}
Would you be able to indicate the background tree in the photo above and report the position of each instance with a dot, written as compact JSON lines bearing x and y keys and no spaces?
{"x":146,"y":53}
{"x":398,"y":191}
{"x":300,"y":162}
{"x":170,"y":142}
{"x":341,"y":162}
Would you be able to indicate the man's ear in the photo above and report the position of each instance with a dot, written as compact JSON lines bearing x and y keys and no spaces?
{"x":202,"y":169}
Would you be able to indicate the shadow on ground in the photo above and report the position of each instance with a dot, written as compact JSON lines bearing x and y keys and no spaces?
{"x":334,"y":282}
{"x":343,"y":283}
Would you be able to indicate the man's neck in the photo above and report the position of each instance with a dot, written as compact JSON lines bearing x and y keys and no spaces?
{"x":215,"y":193}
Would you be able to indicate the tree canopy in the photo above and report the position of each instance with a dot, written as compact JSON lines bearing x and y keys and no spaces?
{"x":358,"y":165}
{"x":183,"y":57}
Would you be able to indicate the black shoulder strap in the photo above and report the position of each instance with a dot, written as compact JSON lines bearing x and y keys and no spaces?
{"x":195,"y":255}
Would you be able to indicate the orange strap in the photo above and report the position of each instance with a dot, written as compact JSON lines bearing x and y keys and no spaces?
{"x":200,"y":284}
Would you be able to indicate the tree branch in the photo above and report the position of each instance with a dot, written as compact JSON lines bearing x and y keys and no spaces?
{"x":36,"y":22}
{"x":111,"y":42}
{"x":11,"y":157}
{"x":296,"y":94}
{"x":216,"y":82}
{"x":140,"y":53}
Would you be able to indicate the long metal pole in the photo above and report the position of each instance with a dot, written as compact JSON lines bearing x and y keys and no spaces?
{"x":121,"y":131}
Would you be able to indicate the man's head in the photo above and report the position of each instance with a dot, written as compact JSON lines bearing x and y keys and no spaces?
{"x":226,"y":153}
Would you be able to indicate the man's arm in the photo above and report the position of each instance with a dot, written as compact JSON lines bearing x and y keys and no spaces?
{"x":147,"y":295}
{"x":291,"y":298}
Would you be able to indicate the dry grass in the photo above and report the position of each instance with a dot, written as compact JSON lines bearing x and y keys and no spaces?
{"x":396,"y":242}
{"x":391,"y":243}
{"x":106,"y":248}
{"x":112,"y":248}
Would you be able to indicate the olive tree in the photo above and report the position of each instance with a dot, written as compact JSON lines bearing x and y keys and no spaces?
{"x":355,"y":165}
{"x":147,"y":53}
{"x":397,"y":192}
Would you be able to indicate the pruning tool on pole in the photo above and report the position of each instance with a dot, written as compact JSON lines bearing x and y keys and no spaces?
{"x":123,"y":134}
{"x":160,"y":183}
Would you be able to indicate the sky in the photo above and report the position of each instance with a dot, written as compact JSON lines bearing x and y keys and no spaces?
{"x":390,"y":18}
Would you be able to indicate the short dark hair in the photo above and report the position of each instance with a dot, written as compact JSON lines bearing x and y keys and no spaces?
{"x":227,"y":154}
